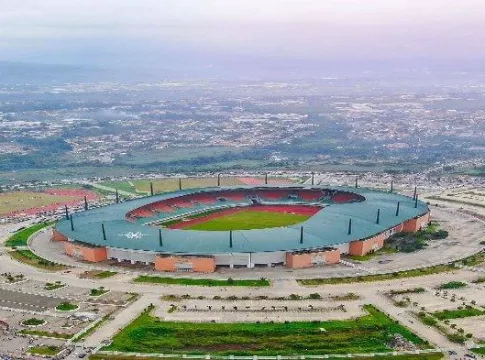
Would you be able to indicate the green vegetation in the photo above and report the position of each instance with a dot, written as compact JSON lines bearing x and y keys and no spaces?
{"x":44,"y":350}
{"x":378,"y":277}
{"x":409,"y":242}
{"x":97,"y":274}
{"x":66,"y":306}
{"x":33,"y":322}
{"x":28,"y":257}
{"x":53,"y":286}
{"x":13,"y":278}
{"x":407,"y":291}
{"x":20,"y":238}
{"x":199,"y":282}
{"x":98,"y":292}
{"x":479,"y":351}
{"x":169,"y":184}
{"x":368,"y":333}
{"x":457,"y":336}
{"x":474,"y":260}
{"x":313,"y":296}
{"x":245,"y":220}
{"x":430,"y":356}
{"x":452,"y":285}
{"x":48,"y":334}
{"x":459,"y":313}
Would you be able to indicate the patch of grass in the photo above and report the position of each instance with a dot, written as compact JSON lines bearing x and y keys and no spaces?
{"x":97,"y":274}
{"x":250,"y":219}
{"x":452,"y":285}
{"x":20,"y":238}
{"x":479,"y":351}
{"x":378,"y":277}
{"x":199,"y":282}
{"x":28,"y":257}
{"x":53,"y":286}
{"x":44,"y":350}
{"x":66,"y":306}
{"x":33,"y":322}
{"x":98,"y":292}
{"x":368,"y":333}
{"x":467,"y":311}
{"x":474,"y":260}
{"x":42,"y":333}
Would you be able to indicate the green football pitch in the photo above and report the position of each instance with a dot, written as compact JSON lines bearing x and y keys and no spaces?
{"x":246,"y":220}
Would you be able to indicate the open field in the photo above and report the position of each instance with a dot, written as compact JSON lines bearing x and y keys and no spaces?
{"x":20,"y":238}
{"x":199,"y":282}
{"x":248,"y":219}
{"x":172,"y":184}
{"x":31,"y":202}
{"x":369,"y":333}
{"x":432,"y":356}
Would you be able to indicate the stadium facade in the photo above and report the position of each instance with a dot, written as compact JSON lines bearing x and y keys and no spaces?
{"x":354,"y":221}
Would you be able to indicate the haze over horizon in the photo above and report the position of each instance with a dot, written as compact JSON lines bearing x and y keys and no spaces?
{"x":209,"y":35}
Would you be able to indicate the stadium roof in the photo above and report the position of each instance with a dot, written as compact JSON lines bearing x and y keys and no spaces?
{"x":329,"y":227}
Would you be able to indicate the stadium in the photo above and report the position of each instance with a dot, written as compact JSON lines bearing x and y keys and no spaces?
{"x":198,"y":230}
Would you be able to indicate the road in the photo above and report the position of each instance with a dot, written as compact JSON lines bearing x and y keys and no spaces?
{"x":283,"y":286}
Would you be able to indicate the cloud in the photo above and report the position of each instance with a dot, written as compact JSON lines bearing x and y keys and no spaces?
{"x":299,"y":29}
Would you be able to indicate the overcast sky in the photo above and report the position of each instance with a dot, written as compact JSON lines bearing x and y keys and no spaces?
{"x":122,"y":31}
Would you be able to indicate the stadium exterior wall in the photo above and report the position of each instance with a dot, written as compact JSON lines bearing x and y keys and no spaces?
{"x":203,"y":264}
{"x":57,"y":236}
{"x":363,"y":247}
{"x":413,"y":225}
{"x":85,"y":252}
{"x":300,"y":260}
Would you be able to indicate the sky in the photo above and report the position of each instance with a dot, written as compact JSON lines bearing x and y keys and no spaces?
{"x":207,"y":33}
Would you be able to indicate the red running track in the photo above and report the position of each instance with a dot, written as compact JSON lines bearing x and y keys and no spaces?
{"x":293,"y":209}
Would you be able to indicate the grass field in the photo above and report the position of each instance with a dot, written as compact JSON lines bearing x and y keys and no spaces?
{"x":172,"y":184}
{"x":44,"y":350}
{"x":369,"y":333}
{"x":28,"y":257}
{"x":457,"y":313}
{"x":245,"y":220}
{"x":20,"y":238}
{"x":199,"y":282}
{"x":432,"y":356}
